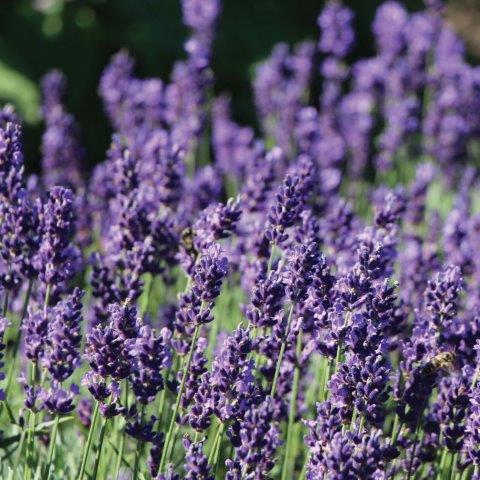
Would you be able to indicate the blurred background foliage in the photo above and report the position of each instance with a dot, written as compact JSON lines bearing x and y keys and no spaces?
{"x":79,"y":36}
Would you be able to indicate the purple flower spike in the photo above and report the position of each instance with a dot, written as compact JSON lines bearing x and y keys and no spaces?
{"x":336,"y":32}
{"x":196,"y":464}
{"x":62,"y":350}
{"x":149,"y":356}
{"x":62,"y":153}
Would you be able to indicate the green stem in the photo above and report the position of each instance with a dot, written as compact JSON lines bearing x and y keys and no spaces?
{"x":5,"y":304}
{"x":410,"y":466}
{"x":88,"y":443}
{"x":282,"y":352}
{"x":29,"y":460}
{"x":326,"y":379}
{"x":20,"y":452}
{"x":216,"y":443}
{"x":270,"y":259}
{"x":122,"y":438}
{"x":453,"y":465}
{"x":31,"y":430}
{"x":303,"y":473}
{"x":443,"y":459}
{"x":16,"y":344}
{"x":99,"y":449}
{"x":51,"y":447}
{"x":186,"y":368}
{"x":139,"y":449}
{"x":293,"y":407}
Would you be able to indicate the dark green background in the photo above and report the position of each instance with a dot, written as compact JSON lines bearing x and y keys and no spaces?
{"x":79,"y":36}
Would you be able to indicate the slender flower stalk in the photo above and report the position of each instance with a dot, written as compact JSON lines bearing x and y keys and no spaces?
{"x":281,"y":352}
{"x":88,"y":443}
{"x":171,"y":425}
{"x":292,"y":410}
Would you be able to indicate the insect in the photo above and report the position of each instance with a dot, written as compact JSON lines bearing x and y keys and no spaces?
{"x":188,"y":241}
{"x":441,"y":361}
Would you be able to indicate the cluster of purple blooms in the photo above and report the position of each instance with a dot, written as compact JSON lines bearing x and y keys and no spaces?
{"x":313,"y":339}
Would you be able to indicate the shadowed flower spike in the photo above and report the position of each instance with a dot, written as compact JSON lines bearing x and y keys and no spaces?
{"x":61,"y":150}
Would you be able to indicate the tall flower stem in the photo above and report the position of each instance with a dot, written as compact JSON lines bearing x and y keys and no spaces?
{"x":88,"y":443}
{"x":185,"y":370}
{"x":414,"y":448}
{"x":33,"y":379}
{"x":139,"y":449}
{"x":5,"y":304}
{"x":16,"y":342}
{"x":51,"y":447}
{"x":122,"y":437}
{"x":293,"y":407}
{"x":453,"y":465}
{"x":217,"y":441}
{"x":99,"y":449}
{"x":282,"y":352}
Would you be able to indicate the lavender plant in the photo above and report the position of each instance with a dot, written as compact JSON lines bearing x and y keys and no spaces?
{"x":211,"y":304}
